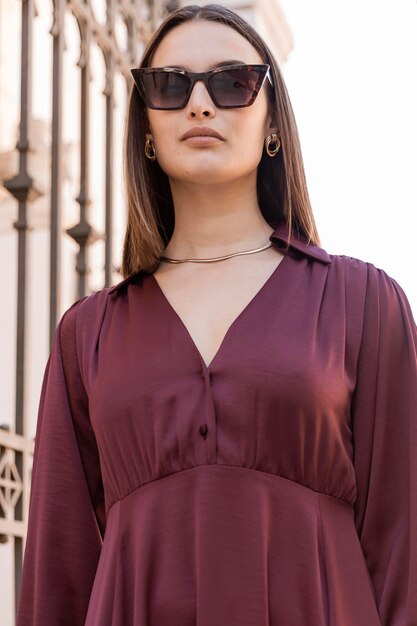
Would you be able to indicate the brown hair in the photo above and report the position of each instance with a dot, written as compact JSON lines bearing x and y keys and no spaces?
{"x":281,"y":183}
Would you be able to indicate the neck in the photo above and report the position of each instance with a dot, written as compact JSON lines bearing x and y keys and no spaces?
{"x":215,"y":223}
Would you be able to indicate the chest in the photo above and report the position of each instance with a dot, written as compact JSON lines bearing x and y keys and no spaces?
{"x":276,"y":396}
{"x":208,"y":300}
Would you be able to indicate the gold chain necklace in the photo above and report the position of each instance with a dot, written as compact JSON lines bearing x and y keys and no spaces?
{"x":218,"y":258}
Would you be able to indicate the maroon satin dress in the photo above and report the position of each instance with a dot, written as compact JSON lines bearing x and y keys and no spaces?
{"x":275,"y":487}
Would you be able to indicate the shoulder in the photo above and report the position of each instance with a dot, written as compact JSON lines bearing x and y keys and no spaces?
{"x":384,"y":300}
{"x":364,"y":273}
{"x":78,"y":332}
{"x":375,"y":276}
{"x":349,"y":275}
{"x":84,"y":316}
{"x":367,"y":283}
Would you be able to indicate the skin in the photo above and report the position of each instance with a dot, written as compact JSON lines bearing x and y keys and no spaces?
{"x":213,"y":188}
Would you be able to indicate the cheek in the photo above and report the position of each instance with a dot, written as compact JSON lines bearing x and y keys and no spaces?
{"x":248,"y":141}
{"x":170,"y":153}
{"x":162,"y":125}
{"x":166,"y":134}
{"x":252,"y":135}
{"x":247,"y":128}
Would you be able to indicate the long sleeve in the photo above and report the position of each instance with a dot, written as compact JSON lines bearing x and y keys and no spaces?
{"x":384,"y":423}
{"x":66,"y":512}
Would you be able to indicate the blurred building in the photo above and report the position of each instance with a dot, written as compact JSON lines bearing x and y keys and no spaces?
{"x":64,"y":81}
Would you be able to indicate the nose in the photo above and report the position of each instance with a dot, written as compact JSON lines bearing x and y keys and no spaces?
{"x":200,"y":100}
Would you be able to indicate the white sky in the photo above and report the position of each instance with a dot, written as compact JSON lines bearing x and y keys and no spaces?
{"x":352,"y":81}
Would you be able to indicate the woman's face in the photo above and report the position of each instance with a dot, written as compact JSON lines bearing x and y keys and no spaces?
{"x":198,"y":46}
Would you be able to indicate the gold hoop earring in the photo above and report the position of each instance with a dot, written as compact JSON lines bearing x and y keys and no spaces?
{"x":150,"y":149}
{"x":272,"y":139}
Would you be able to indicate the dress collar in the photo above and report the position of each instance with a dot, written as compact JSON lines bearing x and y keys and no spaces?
{"x":299,"y":242}
{"x":279,"y":238}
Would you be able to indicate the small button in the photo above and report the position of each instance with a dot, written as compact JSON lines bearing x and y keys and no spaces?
{"x":203,"y":430}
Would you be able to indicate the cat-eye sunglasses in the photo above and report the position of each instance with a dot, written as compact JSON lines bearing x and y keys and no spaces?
{"x":230,"y":86}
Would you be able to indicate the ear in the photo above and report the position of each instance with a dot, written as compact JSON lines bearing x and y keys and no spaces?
{"x":149,"y":132}
{"x":271,"y":125}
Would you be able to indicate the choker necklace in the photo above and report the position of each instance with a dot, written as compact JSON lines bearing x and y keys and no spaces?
{"x":218,"y":258}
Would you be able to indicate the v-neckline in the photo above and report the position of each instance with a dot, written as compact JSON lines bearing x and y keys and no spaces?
{"x":233,"y":324}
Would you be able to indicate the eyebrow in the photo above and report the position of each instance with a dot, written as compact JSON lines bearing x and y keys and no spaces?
{"x":220,"y":64}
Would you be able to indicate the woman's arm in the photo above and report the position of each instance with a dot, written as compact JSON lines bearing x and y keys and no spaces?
{"x":384,"y":414}
{"x":66,"y":514}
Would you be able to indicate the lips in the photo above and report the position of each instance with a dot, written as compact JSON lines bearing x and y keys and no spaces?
{"x":201,"y":131}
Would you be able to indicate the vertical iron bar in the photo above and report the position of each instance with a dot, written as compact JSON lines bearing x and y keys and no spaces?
{"x":83,"y":199}
{"x":83,"y":232}
{"x":22,"y":225}
{"x":108,"y":262}
{"x":57,"y":31}
{"x":108,"y":92}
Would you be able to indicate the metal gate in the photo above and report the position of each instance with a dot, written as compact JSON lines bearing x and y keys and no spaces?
{"x":84,"y":42}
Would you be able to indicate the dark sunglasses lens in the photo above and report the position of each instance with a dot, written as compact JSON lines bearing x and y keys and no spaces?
{"x":234,"y":88}
{"x":165,"y":89}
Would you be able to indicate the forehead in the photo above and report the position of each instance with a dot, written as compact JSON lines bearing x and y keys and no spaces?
{"x":199,"y":45}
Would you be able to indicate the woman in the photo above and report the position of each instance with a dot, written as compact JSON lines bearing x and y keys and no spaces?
{"x":236,"y":418}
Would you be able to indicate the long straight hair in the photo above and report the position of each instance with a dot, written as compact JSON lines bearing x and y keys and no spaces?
{"x":281,"y":183}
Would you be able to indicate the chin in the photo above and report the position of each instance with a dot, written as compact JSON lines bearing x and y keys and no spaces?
{"x":206,"y":177}
{"x":199,"y":173}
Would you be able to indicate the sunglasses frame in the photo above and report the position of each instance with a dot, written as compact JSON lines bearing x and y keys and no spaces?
{"x":263,"y":69}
